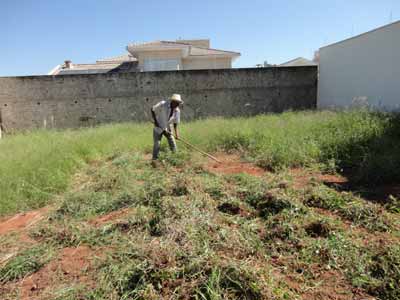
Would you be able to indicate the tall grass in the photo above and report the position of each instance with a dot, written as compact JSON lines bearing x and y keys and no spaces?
{"x":35,"y":166}
{"x":364,"y":144}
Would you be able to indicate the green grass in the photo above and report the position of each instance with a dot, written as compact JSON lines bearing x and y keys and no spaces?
{"x":182,"y":232}
{"x":24,"y":264}
{"x":36,"y":166}
{"x":350,"y":207}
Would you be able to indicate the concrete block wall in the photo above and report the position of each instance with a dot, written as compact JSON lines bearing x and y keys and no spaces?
{"x":72,"y":101}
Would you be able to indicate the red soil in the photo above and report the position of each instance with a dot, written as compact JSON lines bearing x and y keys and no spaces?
{"x":147,"y":156}
{"x":22,"y":221}
{"x":111,"y":217}
{"x":320,"y":284}
{"x":302,"y":178}
{"x":71,"y":266}
{"x":333,"y":285}
{"x":231,"y":164}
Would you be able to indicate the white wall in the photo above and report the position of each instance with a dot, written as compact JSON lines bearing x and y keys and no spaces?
{"x":365,"y":68}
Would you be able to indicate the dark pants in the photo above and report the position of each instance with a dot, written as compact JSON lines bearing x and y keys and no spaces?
{"x":157,"y":141}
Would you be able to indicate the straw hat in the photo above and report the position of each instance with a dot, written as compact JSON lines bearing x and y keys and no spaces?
{"x":176,"y":98}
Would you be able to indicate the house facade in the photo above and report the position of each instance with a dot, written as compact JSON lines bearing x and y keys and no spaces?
{"x":157,"y":56}
{"x":299,"y":62}
{"x":362,"y":70}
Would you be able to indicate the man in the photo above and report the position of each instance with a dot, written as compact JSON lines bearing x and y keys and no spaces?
{"x":165,"y":113}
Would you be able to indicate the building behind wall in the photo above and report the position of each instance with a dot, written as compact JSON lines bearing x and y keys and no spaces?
{"x":156,"y":56}
{"x":364,"y":69}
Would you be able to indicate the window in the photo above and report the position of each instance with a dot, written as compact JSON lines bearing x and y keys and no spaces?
{"x":154,"y":64}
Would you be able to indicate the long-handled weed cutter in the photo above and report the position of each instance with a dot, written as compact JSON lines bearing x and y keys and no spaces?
{"x":198,"y":150}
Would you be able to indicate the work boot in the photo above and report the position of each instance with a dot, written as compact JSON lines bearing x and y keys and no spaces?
{"x":155,"y":163}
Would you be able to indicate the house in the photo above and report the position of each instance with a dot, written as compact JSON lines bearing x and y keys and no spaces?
{"x":181,"y":55}
{"x":298,"y":62}
{"x":122,"y":63}
{"x":364,"y":69}
{"x":157,"y":56}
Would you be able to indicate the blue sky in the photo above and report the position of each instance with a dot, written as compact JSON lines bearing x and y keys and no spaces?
{"x":36,"y":35}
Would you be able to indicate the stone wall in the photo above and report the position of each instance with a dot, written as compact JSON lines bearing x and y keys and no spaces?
{"x":84,"y":100}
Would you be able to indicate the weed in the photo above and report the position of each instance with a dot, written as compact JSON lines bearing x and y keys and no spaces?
{"x":178,"y":159}
{"x":133,"y":276}
{"x":318,"y":229}
{"x":363,"y":143}
{"x":271,"y":204}
{"x":213,"y":186}
{"x":369,"y":215}
{"x":156,"y":226}
{"x":180,"y":185}
{"x":385,"y":267}
{"x":324,"y":197}
{"x":349,"y":207}
{"x":229,"y":283}
{"x":283,"y":232}
{"x":336,"y":251}
{"x":393,"y":204}
{"x":73,"y":234}
{"x":24,"y":264}
{"x":87,"y":203}
{"x":191,"y":234}
{"x":72,"y":293}
{"x":376,"y":270}
{"x":152,"y":192}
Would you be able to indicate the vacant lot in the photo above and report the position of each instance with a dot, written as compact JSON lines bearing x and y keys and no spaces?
{"x":290,"y":214}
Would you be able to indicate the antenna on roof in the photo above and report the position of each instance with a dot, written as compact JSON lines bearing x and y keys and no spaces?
{"x":391,"y":16}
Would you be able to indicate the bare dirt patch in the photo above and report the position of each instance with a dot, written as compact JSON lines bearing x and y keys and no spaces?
{"x":147,"y":156}
{"x":320,"y":284}
{"x":302,"y":178}
{"x":111,"y":217}
{"x":333,"y":285}
{"x":22,"y":221}
{"x":73,"y":266}
{"x":232,"y":164}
